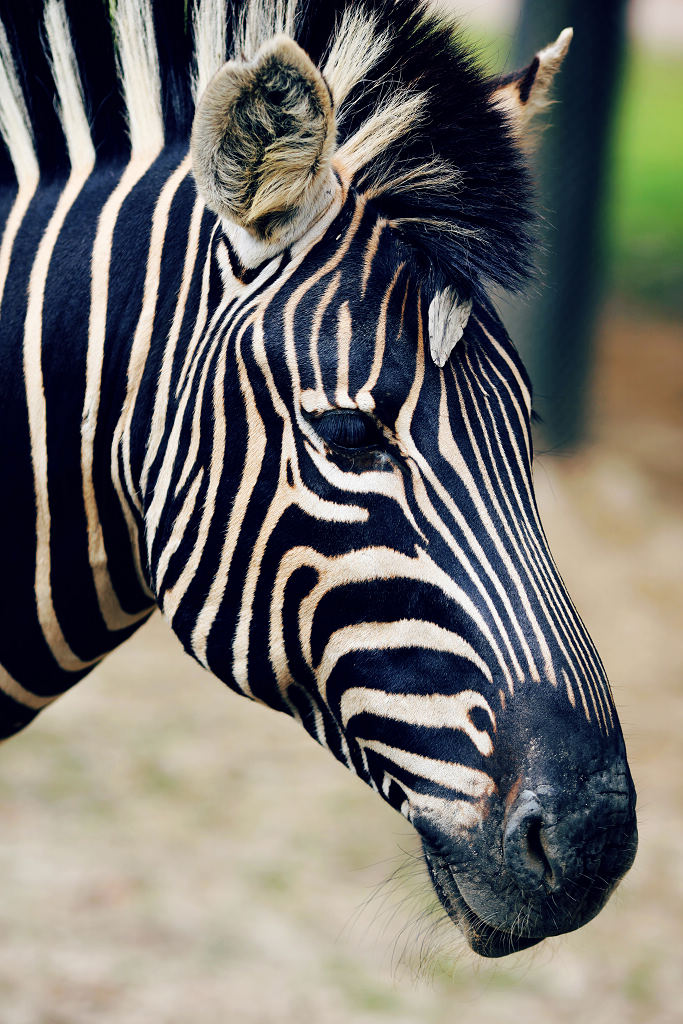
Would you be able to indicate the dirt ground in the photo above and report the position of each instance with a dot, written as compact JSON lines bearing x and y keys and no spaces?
{"x":171,"y":854}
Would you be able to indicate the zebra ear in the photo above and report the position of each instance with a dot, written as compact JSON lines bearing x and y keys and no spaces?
{"x":263,"y":139}
{"x":524,"y":93}
{"x":448,"y":316}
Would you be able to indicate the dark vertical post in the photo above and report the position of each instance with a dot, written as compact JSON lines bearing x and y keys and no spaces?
{"x":554,"y":327}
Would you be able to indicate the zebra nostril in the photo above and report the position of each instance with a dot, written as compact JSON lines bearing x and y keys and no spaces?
{"x":535,"y":851}
{"x":524,"y":849}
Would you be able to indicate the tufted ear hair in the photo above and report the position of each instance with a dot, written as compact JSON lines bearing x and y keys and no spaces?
{"x":447,"y":320}
{"x":263,"y":139}
{"x":524,"y":93}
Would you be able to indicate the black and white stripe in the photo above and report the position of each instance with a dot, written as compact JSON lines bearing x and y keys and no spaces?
{"x":260,"y":442}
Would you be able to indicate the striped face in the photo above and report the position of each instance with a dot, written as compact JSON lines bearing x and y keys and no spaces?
{"x":352,"y":537}
{"x":279,"y":426}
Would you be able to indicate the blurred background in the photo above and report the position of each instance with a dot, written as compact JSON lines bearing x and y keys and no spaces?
{"x":171,"y":853}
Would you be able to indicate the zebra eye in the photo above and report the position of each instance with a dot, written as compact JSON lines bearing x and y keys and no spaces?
{"x":348,"y":430}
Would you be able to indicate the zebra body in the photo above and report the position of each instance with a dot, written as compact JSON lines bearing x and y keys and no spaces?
{"x":300,"y":429}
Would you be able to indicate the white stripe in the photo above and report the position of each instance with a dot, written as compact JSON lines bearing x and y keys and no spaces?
{"x":15,"y":124}
{"x":16,"y":131}
{"x":164,"y":384}
{"x":114,"y":615}
{"x":451,"y":815}
{"x":199,"y":334}
{"x":460,"y":777}
{"x":357,"y":47}
{"x":37,"y":422}
{"x":260,"y":20}
{"x":542,"y":576}
{"x":210,"y":25}
{"x":180,"y":524}
{"x":253,"y":459}
{"x":138,"y":62}
{"x":174,"y":595}
{"x":17,"y":692}
{"x":547,"y":573}
{"x":403,"y":633}
{"x":420,"y":471}
{"x":451,"y":453}
{"x":141,"y":344}
{"x":344,"y":336}
{"x":14,"y":221}
{"x":360,"y":566}
{"x":381,"y":331}
{"x":69,"y":89}
{"x":139,"y":70}
{"x":236,"y":318}
{"x":433,"y":710}
{"x":205,"y":339}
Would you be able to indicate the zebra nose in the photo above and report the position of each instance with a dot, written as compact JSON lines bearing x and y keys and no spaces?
{"x":527,"y":852}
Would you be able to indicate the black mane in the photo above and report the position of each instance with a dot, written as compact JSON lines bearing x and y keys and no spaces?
{"x":491,"y":210}
{"x":473,"y":234}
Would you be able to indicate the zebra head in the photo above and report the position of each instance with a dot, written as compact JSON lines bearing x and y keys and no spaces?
{"x":345,"y":526}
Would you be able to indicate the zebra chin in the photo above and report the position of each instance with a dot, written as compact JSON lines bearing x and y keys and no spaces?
{"x":539,"y":863}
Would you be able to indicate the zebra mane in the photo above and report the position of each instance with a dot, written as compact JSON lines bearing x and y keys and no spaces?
{"x":417,"y":132}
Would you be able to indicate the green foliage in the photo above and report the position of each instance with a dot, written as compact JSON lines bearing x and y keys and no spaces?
{"x":647,"y":192}
{"x":645,"y":212}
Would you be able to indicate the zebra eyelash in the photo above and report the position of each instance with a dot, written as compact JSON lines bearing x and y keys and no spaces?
{"x":348,"y":431}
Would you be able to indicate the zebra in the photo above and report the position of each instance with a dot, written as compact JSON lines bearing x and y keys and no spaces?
{"x":252,"y":375}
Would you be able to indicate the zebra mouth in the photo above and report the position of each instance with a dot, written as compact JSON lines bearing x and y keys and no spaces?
{"x":526,"y":878}
{"x":483,"y":938}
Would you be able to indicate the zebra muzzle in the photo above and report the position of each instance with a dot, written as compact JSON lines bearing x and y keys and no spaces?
{"x":543,"y":862}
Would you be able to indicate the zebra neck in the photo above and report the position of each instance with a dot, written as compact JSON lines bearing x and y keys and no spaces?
{"x":88,"y":277}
